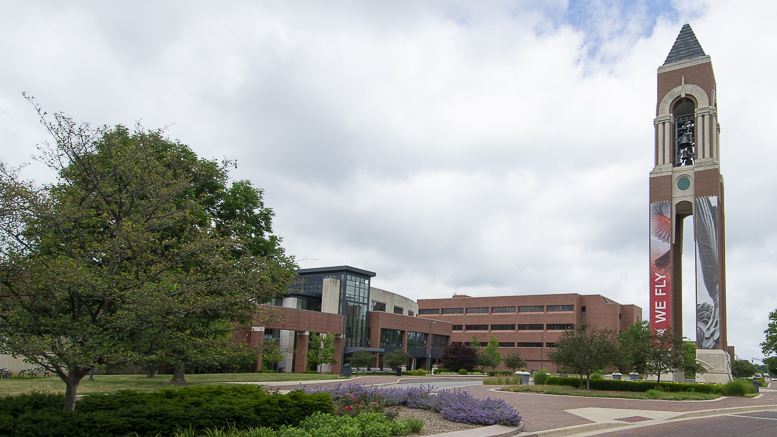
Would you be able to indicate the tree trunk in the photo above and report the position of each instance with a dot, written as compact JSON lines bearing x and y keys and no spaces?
{"x":72,"y":379}
{"x":150,"y":370}
{"x":178,"y":374}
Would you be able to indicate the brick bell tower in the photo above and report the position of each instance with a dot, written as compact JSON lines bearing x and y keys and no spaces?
{"x":686,"y":181}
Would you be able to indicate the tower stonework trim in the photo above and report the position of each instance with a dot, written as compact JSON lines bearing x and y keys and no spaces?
{"x":686,"y":181}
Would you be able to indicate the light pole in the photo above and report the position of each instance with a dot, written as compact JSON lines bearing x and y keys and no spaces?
{"x":429,"y":355}
{"x":542,"y":351}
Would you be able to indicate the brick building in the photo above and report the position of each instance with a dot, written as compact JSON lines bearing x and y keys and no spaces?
{"x":526,"y":324}
{"x":340,"y":301}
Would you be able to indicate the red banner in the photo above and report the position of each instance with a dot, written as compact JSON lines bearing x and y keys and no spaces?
{"x":660,"y":266}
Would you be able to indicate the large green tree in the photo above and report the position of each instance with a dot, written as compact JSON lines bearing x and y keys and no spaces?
{"x":137,"y":240}
{"x":743,"y":369}
{"x":585,"y":349}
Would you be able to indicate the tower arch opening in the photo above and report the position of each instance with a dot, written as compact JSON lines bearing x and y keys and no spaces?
{"x":685,"y":132}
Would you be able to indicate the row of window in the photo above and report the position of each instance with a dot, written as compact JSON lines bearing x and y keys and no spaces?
{"x":393,"y":337}
{"x":521,"y":327}
{"x":520,"y":344}
{"x":485,"y":310}
{"x":380,"y":306}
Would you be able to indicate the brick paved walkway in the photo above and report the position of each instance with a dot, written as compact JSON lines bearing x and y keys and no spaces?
{"x":543,"y":412}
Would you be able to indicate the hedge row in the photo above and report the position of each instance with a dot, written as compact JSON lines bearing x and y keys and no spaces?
{"x":634,"y":386}
{"x":158,"y":413}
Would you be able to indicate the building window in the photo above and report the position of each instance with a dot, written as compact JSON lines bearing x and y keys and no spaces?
{"x":457,"y":328}
{"x":476,"y":327}
{"x":550,"y":344}
{"x":531,"y":327}
{"x":398,"y":310}
{"x":410,"y":313}
{"x":453,"y":310}
{"x":502,"y":309}
{"x":477,"y":310}
{"x":503,"y":327}
{"x":531,"y":309}
{"x":308,"y":304}
{"x":529,"y":344}
{"x":560,"y":326}
{"x":391,"y":337}
{"x":506,"y":344}
{"x":429,"y":311}
{"x":440,"y":341}
{"x":561,"y":308}
{"x":378,"y":306}
{"x":416,"y":339}
{"x":277,"y":302}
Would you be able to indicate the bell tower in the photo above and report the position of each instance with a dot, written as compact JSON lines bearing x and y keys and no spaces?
{"x":686,"y":182}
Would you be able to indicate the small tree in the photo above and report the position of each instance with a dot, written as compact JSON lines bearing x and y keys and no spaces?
{"x":487,"y":360}
{"x":272,"y":354}
{"x":396,"y":358}
{"x":490,"y":356}
{"x":634,"y":342}
{"x":665,"y":354}
{"x":692,"y":367}
{"x":585,"y":349}
{"x":514,"y":361}
{"x":362,"y":359}
{"x":475,"y":344}
{"x":459,"y":356}
{"x":321,"y":349}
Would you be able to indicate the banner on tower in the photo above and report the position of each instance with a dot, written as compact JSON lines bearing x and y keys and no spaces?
{"x":707,"y":274}
{"x":660,"y":266}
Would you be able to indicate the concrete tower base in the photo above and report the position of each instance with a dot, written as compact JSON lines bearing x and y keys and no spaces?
{"x":718,"y":365}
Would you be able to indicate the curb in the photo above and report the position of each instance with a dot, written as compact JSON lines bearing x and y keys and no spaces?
{"x":722,"y":411}
{"x":577,"y":429}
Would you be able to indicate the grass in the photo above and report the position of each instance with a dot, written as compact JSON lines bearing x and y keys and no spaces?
{"x":112,"y":383}
{"x":650,"y":394}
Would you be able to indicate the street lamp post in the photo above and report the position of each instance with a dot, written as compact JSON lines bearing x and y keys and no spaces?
{"x":542,"y":351}
{"x":429,"y":355}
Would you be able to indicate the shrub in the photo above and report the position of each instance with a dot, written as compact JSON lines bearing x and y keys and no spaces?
{"x":414,"y":424}
{"x":454,"y":405}
{"x":737,"y":387}
{"x":501,"y":380}
{"x":541,"y":376}
{"x":458,"y":356}
{"x":462,"y":371}
{"x":596,"y":376}
{"x":417,"y":372}
{"x":163,"y":412}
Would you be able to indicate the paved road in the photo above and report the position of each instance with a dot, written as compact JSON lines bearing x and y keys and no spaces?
{"x":760,"y":424}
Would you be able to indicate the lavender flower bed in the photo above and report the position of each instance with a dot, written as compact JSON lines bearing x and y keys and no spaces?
{"x":455,"y":405}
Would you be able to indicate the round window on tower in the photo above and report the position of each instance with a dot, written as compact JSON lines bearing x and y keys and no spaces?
{"x":683,"y":183}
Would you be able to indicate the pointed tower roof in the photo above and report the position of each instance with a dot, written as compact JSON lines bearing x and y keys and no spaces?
{"x":686,"y":46}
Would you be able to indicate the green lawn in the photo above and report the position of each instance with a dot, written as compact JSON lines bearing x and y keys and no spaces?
{"x":111,"y":383}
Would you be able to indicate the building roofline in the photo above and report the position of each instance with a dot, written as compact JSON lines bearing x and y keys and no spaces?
{"x":336,"y":269}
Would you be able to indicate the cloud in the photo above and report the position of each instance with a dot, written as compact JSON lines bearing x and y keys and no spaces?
{"x":451,"y":147}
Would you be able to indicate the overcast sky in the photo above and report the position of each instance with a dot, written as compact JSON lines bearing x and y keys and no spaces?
{"x":461,"y":147}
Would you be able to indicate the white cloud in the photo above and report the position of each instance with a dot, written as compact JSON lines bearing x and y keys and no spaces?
{"x":480,"y":148}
